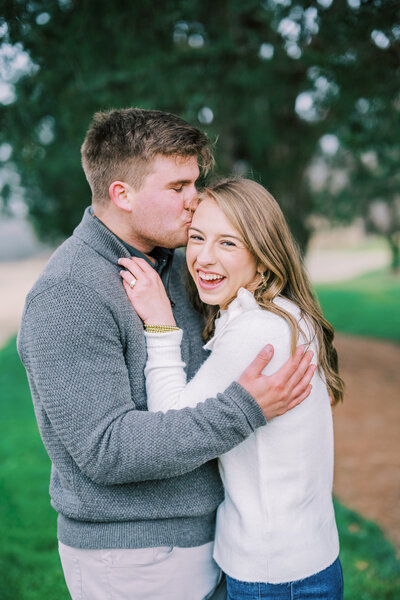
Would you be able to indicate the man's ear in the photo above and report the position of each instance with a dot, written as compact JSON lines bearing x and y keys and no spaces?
{"x":121,"y":195}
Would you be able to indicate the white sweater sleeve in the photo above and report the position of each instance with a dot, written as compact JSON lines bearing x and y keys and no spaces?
{"x":233,"y":351}
{"x":164,"y":371}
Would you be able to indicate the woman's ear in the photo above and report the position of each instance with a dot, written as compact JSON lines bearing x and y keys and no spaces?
{"x":261,"y":269}
{"x":120,"y":194}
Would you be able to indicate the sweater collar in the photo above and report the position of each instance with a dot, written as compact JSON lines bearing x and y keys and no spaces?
{"x":243,"y":302}
{"x":96,"y":234}
{"x":93,"y":233}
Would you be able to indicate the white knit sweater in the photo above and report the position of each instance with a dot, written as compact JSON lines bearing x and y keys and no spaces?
{"x":277,"y":522}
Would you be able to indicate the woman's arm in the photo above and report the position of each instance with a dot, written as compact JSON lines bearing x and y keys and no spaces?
{"x":244,"y":337}
{"x":165,"y":372}
{"x":240,"y":360}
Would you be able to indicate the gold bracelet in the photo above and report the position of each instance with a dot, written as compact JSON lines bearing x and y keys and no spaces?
{"x":160,"y":328}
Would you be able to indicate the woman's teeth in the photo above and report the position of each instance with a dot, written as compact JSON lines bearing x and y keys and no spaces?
{"x":210,"y":277}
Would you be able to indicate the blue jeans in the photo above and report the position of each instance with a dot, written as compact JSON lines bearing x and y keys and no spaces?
{"x":325,"y":585}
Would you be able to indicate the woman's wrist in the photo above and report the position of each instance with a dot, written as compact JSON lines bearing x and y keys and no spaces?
{"x":160,"y":318}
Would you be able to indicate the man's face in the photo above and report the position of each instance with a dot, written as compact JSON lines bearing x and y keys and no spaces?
{"x":160,"y":209}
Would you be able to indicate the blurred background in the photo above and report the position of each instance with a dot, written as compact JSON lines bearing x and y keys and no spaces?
{"x":303,"y":96}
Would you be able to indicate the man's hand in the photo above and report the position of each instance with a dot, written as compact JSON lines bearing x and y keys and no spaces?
{"x":285,"y":389}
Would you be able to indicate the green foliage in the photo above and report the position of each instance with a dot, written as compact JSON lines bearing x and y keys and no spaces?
{"x":29,"y":563}
{"x":183,"y":56}
{"x":368,"y":305}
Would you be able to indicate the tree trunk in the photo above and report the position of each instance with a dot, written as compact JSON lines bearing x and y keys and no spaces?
{"x":394,"y":244}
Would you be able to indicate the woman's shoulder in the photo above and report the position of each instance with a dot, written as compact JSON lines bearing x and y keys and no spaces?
{"x":250,"y":310}
{"x":245,"y":319}
{"x":288,"y":306}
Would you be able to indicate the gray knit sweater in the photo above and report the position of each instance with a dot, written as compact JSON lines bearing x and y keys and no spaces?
{"x":121,"y":477}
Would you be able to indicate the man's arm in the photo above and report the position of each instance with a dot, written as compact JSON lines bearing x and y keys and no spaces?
{"x":241,"y":340}
{"x":70,"y":344}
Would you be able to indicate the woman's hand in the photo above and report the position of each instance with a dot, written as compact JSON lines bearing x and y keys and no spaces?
{"x":146,"y":292}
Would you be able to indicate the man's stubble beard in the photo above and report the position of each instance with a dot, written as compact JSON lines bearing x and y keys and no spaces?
{"x":173,"y":240}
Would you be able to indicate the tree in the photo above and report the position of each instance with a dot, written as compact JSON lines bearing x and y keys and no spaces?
{"x":269,"y":78}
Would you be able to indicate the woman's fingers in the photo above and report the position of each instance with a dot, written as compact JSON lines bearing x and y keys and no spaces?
{"x":131,"y":266}
{"x":127,"y":288}
{"x":140,"y":272}
{"x":135,"y":265}
{"x":146,"y":292}
{"x":128,"y":278}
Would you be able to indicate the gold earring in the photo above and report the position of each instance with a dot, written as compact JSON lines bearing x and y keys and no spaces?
{"x":264,"y":278}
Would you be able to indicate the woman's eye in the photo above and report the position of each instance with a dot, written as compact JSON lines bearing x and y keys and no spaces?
{"x":227,"y":243}
{"x":196,"y":238}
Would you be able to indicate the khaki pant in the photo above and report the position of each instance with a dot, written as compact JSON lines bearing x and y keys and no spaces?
{"x":165,"y":573}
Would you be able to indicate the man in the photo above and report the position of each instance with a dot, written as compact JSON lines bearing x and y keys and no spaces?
{"x":136,"y":492}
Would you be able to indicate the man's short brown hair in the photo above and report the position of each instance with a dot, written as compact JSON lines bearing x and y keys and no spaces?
{"x":121,"y":144}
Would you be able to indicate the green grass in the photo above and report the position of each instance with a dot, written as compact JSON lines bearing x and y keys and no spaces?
{"x":368,"y":305}
{"x":29,"y":564}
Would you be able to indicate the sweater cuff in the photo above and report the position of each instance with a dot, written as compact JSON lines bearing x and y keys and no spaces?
{"x":164,"y":340}
{"x":247,"y":404}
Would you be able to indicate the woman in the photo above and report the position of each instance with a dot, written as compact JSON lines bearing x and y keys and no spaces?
{"x":276,"y":535}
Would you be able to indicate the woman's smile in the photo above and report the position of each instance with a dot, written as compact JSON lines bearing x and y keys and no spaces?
{"x":208,"y":280}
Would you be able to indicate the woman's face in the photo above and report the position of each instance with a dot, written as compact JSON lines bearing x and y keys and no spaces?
{"x":217,"y":257}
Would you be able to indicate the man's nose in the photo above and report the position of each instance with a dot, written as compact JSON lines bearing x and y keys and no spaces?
{"x":191,"y":199}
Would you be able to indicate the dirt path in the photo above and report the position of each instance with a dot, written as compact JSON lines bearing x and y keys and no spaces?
{"x":16,"y":279}
{"x":367,"y":473}
{"x":367,"y":440}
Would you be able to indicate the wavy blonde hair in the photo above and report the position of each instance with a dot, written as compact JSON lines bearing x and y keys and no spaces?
{"x":256,"y":215}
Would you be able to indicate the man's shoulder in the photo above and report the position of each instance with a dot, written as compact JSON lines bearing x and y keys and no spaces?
{"x":59,"y":266}
{"x":74,"y":264}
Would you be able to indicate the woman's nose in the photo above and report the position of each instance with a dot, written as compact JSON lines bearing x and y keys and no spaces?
{"x":206,"y":256}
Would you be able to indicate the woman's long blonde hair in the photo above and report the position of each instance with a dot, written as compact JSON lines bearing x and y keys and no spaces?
{"x":259,"y":220}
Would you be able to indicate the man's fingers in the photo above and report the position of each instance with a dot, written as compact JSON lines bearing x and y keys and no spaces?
{"x":260,"y":362}
{"x":301,"y":369}
{"x":290,"y":366}
{"x":302,"y":385}
{"x":301,"y":397}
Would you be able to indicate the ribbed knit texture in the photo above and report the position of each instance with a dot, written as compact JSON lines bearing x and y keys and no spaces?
{"x":121,"y":477}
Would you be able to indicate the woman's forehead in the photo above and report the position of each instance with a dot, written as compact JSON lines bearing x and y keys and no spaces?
{"x":209,"y":217}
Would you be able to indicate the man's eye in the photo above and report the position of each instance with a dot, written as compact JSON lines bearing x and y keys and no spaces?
{"x":178,"y":189}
